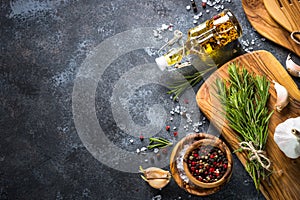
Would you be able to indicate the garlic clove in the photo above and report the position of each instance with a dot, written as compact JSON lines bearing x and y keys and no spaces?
{"x":286,"y":139}
{"x":282,"y":96}
{"x":156,"y":177}
{"x":292,"y":67}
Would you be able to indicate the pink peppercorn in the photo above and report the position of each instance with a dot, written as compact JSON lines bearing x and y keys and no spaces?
{"x":168,"y":128}
{"x":175,"y":133}
{"x":141,"y":137}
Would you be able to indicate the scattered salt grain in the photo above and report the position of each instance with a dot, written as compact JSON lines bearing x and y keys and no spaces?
{"x":196,"y":17}
{"x":210,"y":3}
{"x":164,"y":27}
{"x":131,"y":141}
{"x":200,"y":14}
{"x":143,"y":149}
{"x":156,"y":150}
{"x":188,"y":8}
{"x":155,"y":33}
{"x":157,"y":197}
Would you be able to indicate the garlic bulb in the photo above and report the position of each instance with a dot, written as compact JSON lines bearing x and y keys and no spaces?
{"x":292,"y":67}
{"x":282,"y":96}
{"x":156,"y":177}
{"x":287,"y":137}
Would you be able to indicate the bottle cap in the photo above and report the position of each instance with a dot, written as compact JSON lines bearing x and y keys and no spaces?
{"x":161,"y":63}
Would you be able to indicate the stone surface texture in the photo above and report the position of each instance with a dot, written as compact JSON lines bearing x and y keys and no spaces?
{"x":45,"y":150}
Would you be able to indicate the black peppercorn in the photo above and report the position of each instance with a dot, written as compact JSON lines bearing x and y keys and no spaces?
{"x":194,"y":6}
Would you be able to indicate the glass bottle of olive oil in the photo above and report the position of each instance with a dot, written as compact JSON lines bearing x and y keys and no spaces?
{"x":205,"y":39}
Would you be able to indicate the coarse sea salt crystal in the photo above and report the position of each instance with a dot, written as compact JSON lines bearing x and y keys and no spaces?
{"x":155,"y":33}
{"x":164,"y":26}
{"x":157,"y":197}
{"x":143,"y":149}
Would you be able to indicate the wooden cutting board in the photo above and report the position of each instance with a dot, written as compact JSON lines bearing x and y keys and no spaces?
{"x":285,"y":12}
{"x":284,"y":183}
{"x":265,"y":25}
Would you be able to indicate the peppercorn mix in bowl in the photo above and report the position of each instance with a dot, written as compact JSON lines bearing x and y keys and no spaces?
{"x":208,"y":163}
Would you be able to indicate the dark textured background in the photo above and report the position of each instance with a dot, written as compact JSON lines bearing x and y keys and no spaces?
{"x":43,"y":44}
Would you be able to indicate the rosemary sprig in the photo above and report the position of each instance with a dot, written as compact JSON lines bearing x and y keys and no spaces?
{"x":244,"y":98}
{"x":158,"y":143}
{"x":188,"y":82}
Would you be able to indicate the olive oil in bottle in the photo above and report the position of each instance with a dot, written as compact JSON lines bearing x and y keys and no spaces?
{"x":205,"y":39}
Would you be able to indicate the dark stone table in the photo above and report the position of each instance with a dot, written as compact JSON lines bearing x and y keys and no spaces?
{"x":79,"y":85}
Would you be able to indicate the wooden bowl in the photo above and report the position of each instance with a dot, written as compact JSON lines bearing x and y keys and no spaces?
{"x":215,"y":142}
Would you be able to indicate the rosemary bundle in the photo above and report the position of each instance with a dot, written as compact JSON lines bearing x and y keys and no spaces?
{"x":244,"y":97}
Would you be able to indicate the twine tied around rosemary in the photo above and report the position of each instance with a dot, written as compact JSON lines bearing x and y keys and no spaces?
{"x":256,"y":154}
